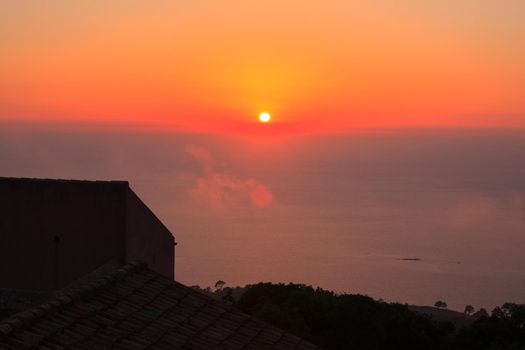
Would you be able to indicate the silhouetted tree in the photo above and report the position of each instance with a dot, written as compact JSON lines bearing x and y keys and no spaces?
{"x":469,"y":309}
{"x":504,"y":329}
{"x":440,"y":304}
{"x":219,"y":285}
{"x":513,"y":314}
{"x":343,"y":321}
{"x":480,"y":313}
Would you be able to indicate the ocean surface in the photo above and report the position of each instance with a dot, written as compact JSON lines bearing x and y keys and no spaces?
{"x":412,"y":216}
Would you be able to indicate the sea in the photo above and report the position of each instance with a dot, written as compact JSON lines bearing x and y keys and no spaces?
{"x":403,"y":215}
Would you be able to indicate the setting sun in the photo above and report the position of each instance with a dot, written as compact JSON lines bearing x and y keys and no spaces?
{"x":264,"y":117}
{"x":350,"y":168}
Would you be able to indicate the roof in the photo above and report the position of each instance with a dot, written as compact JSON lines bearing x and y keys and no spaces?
{"x":28,"y":180}
{"x":137,"y":308}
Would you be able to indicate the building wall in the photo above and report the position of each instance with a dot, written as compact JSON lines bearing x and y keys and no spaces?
{"x":147,"y":239}
{"x":53,"y":232}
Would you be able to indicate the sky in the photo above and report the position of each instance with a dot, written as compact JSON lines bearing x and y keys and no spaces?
{"x":213,"y":66}
{"x":397,"y":131}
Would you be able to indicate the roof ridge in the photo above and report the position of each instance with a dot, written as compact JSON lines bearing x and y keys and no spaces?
{"x":75,"y":181}
{"x":27,"y":317}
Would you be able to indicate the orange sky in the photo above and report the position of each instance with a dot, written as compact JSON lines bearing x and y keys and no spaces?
{"x":316,"y":66}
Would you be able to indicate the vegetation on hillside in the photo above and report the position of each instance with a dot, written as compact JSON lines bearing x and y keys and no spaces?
{"x":345,"y":321}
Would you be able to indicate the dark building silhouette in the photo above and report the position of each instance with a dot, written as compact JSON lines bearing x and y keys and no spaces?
{"x":55,"y":231}
{"x":86,"y":265}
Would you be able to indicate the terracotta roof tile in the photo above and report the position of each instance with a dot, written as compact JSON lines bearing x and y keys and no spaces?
{"x":136,"y":308}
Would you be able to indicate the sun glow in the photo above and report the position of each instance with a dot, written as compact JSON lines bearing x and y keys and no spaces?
{"x":264,"y":117}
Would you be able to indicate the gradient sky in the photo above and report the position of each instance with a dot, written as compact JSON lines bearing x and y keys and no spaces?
{"x":86,"y":86}
{"x":317,"y":66}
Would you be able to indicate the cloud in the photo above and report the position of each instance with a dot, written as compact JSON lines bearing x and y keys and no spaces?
{"x":483,"y":210}
{"x":221,"y":190}
{"x":261,"y":196}
{"x":202,"y":155}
